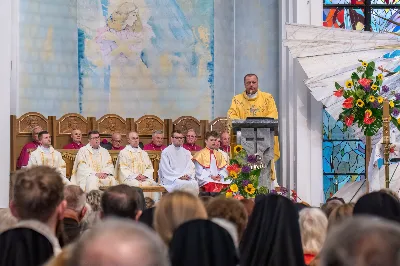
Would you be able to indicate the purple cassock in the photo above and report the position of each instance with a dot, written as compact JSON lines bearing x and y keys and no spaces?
{"x":24,"y":155}
{"x":73,"y":146}
{"x":152,"y":147}
{"x":192,"y":147}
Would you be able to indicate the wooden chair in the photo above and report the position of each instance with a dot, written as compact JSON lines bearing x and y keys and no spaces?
{"x":63,"y":127}
{"x":184,"y":123}
{"x":112,"y":123}
{"x":21,"y":133}
{"x":219,"y":124}
{"x":147,"y":124}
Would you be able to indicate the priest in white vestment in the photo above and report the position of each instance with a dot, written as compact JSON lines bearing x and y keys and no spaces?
{"x":210,"y":166}
{"x":134,"y":167}
{"x":176,"y":167}
{"x":93,"y":166}
{"x":46,"y":155}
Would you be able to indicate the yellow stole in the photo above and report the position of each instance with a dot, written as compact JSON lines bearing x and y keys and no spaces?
{"x":203,"y":157}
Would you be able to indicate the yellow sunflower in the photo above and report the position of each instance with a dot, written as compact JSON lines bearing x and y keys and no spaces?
{"x":380,"y":99}
{"x":380,"y":76}
{"x":349,"y":84}
{"x":228,"y":194}
{"x":238,"y":148}
{"x":391,"y":104}
{"x":371,"y":99}
{"x":360,"y":103}
{"x":368,"y":112}
{"x":398,"y":120}
{"x":233,"y":174}
{"x":374,"y":87}
{"x":234,"y":188}
{"x":250,"y":189}
{"x":364,"y":64}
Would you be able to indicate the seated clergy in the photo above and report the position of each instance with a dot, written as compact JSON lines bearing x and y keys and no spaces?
{"x":225,"y":142}
{"x":176,"y":167}
{"x":76,"y":144}
{"x":46,"y":155}
{"x":116,"y":140}
{"x":156,"y":144}
{"x":93,"y":166}
{"x":218,"y":148}
{"x":134,"y":167}
{"x":28,"y":148}
{"x":211,"y":165}
{"x":191,"y":138}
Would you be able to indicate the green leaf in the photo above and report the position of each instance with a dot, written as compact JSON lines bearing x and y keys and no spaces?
{"x":337,"y":86}
{"x":360,"y":93}
{"x":354,"y":76}
{"x":371,"y":65}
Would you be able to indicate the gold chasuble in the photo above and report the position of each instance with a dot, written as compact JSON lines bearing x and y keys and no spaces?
{"x":262,"y":105}
{"x":203,"y":157}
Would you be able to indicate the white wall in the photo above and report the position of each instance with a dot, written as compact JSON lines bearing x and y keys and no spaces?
{"x":300,"y":113}
{"x":5,"y":77}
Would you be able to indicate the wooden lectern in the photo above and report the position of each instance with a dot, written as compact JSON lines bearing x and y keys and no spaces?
{"x":256,"y":135}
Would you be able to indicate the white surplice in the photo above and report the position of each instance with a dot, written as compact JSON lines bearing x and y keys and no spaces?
{"x":132,"y":162}
{"x":49,"y":157}
{"x":88,"y":163}
{"x":203,"y":174}
{"x":175,"y":163}
{"x":225,"y":155}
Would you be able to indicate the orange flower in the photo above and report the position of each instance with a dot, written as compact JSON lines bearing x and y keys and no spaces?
{"x":368,"y":118}
{"x":364,"y":82}
{"x":348,"y":103}
{"x":233,"y":168}
{"x":339,"y":92}
{"x":348,"y":120}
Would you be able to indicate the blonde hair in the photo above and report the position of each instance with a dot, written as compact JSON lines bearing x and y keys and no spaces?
{"x":339,"y":214}
{"x":313,"y":227}
{"x":7,"y":220}
{"x":175,"y":209}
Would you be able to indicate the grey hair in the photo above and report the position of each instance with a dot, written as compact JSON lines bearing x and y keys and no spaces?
{"x":75,"y":197}
{"x":157,"y":132}
{"x":363,"y":241}
{"x":313,"y":227}
{"x":93,"y":198}
{"x":121,"y":233}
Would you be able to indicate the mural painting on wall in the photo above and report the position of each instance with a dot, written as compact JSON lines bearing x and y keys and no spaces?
{"x":146,"y":57}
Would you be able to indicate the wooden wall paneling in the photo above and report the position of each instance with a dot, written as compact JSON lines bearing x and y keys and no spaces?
{"x":52,"y":130}
{"x":146,"y":125}
{"x":66,"y":124}
{"x":219,"y":124}
{"x":112,"y":123}
{"x":168,"y":128}
{"x":13,"y":143}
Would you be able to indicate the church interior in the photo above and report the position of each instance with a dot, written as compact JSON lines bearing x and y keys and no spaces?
{"x":193,"y":105}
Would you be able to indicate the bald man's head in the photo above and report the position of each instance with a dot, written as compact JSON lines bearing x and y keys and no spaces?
{"x":133,"y":139}
{"x":116,"y":140}
{"x":76,"y":136}
{"x":133,"y":244}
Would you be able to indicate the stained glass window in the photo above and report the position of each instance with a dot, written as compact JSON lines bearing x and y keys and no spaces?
{"x":343,"y":155}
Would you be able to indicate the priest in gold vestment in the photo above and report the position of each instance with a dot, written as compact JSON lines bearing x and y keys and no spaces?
{"x":255,"y":103}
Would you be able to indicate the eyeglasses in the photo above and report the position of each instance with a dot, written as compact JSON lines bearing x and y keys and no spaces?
{"x":98,"y":137}
{"x":190,"y":136}
{"x":178,"y":137}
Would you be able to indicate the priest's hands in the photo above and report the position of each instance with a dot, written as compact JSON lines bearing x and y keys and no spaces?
{"x":216,"y":178}
{"x":102,"y":175}
{"x":141,"y":177}
{"x":185,"y":177}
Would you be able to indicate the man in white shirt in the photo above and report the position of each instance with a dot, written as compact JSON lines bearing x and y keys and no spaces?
{"x":93,"y":166}
{"x":211,"y":166}
{"x":46,"y":155}
{"x":176,"y":167}
{"x":134,"y":167}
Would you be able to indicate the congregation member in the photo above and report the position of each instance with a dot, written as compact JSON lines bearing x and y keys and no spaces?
{"x":210,"y":166}
{"x":46,"y":155}
{"x":121,"y":201}
{"x":76,"y":143}
{"x":340,"y":214}
{"x":156,"y":143}
{"x":74,"y":212}
{"x":253,"y":102}
{"x":274,"y":226}
{"x":362,"y":241}
{"x":191,"y":138}
{"x":134,"y":167}
{"x":218,"y":148}
{"x":177,"y":171}
{"x":38,"y":204}
{"x":28,"y":148}
{"x":7,"y":220}
{"x":313,"y":228}
{"x":225,"y":142}
{"x":93,"y":166}
{"x":175,"y":209}
{"x":202,"y":243}
{"x":93,"y":199}
{"x":119,"y":242}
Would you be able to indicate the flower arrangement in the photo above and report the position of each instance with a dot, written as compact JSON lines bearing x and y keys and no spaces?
{"x":364,"y":96}
{"x":244,"y":171}
{"x":285,"y":192}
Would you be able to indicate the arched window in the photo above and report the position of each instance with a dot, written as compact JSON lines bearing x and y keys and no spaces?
{"x":343,"y":155}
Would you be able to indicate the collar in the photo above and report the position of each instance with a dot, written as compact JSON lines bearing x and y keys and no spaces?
{"x":133,"y":149}
{"x":42,"y":149}
{"x":42,"y":229}
{"x":91,"y":150}
{"x":252,"y":98}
